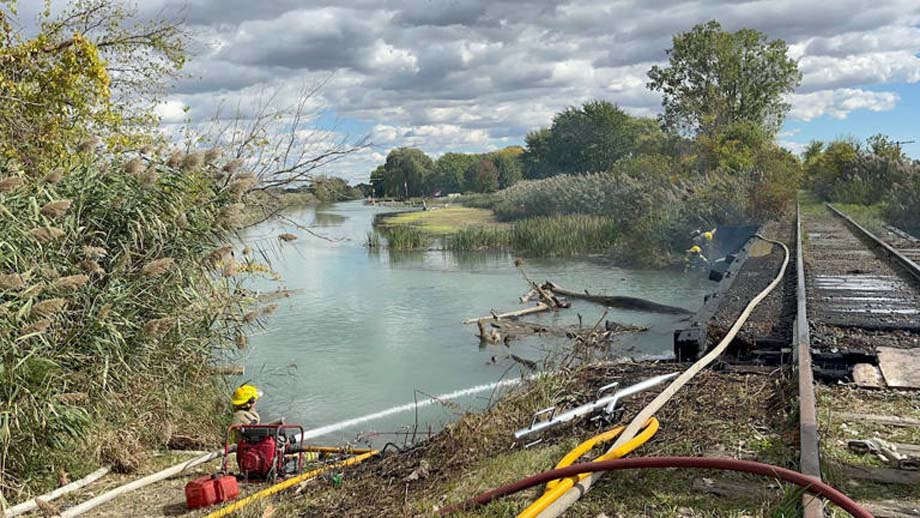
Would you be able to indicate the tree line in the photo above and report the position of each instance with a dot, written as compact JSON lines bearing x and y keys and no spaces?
{"x":723,"y":102}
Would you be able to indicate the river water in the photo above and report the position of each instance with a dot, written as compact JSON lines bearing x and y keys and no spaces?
{"x":368,"y":331}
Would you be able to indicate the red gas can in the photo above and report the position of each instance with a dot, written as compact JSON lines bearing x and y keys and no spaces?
{"x":210,"y":490}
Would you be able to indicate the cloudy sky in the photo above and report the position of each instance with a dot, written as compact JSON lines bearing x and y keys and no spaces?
{"x":452,"y":75}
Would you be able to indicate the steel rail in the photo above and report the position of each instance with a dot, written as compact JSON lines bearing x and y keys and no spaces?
{"x":809,"y":456}
{"x":891,"y":252}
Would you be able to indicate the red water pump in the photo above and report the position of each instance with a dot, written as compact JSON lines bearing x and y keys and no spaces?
{"x":260,"y":452}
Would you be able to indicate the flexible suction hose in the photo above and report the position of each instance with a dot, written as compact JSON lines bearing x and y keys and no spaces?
{"x":572,"y":495}
{"x":557,"y":488}
{"x":810,"y":484}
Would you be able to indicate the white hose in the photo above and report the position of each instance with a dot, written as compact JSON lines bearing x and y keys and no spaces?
{"x":635,"y":426}
{"x":31,"y":505}
{"x":92,"y":503}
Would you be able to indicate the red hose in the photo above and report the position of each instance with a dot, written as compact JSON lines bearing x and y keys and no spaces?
{"x":810,"y":484}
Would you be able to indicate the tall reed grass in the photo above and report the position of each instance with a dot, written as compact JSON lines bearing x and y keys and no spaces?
{"x":110,"y":312}
{"x":404,"y":237}
{"x":566,"y":235}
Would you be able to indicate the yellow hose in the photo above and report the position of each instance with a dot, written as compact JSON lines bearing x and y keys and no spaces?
{"x":335,"y":449}
{"x":557,"y":488}
{"x":281,"y":486}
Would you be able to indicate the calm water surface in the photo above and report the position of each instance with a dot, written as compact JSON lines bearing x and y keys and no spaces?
{"x":366,"y":331}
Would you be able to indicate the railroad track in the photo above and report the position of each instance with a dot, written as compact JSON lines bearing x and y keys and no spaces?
{"x":858,"y":302}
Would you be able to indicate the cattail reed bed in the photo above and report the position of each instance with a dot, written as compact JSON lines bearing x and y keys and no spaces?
{"x":572,"y":234}
{"x":108,"y":288}
{"x":642,"y":220}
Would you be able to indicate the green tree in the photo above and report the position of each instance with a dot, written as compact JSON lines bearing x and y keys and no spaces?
{"x":378,"y":181}
{"x":408,"y":172}
{"x":736,"y":147}
{"x":58,"y":85}
{"x":508,"y":163}
{"x":589,"y":138}
{"x":812,"y":151}
{"x":537,"y":157}
{"x":481,"y":176}
{"x":329,"y":189}
{"x":882,"y":146}
{"x":824,"y":170}
{"x":715,"y":78}
{"x":449,"y":170}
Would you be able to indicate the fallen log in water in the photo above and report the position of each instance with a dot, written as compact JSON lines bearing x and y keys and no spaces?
{"x":511,"y":314}
{"x":617,"y":301}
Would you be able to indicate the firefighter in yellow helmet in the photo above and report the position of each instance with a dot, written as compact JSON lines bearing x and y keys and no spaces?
{"x":694,"y":258}
{"x":244,"y":400}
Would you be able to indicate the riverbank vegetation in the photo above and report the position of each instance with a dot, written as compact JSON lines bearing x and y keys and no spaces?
{"x":873,"y":174}
{"x":118,"y":290}
{"x":321,"y":189}
{"x":709,"y":160}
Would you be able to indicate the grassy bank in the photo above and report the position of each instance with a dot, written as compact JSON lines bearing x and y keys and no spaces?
{"x":470,"y":229}
{"x":724,"y":414}
{"x":555,"y":235}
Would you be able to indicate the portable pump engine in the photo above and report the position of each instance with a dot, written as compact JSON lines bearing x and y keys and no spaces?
{"x":261,"y":450}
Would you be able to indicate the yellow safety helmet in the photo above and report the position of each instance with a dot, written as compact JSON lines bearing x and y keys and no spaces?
{"x":695,"y":250}
{"x":707,"y":235}
{"x":245,"y":394}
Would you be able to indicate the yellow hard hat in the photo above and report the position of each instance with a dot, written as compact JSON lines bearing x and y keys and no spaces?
{"x":707,"y":235}
{"x":245,"y":394}
{"x":695,"y":250}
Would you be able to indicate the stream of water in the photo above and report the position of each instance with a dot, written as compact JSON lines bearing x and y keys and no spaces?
{"x":367,"y":332}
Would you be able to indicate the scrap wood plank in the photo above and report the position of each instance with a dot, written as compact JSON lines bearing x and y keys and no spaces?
{"x":890,"y":420}
{"x":892,"y":509}
{"x":900,"y":367}
{"x":866,"y":375}
{"x":880,"y":475}
{"x":732,"y":489}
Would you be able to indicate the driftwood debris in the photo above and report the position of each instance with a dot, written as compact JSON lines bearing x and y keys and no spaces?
{"x":227,"y":370}
{"x":616,"y":301}
{"x":488,"y":334}
{"x":511,"y":314}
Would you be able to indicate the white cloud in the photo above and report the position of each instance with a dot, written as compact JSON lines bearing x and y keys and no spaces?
{"x":449,"y":74}
{"x":170,"y":111}
{"x":839,"y":103}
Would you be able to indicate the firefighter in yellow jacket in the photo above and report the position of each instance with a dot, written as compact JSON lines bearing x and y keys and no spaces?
{"x":694,"y":258}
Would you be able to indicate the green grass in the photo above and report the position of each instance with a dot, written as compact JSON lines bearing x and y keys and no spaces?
{"x":405,"y":238}
{"x":564,"y":235}
{"x":479,"y":238}
{"x":572,"y":234}
{"x":440,"y":221}
{"x":869,"y":216}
